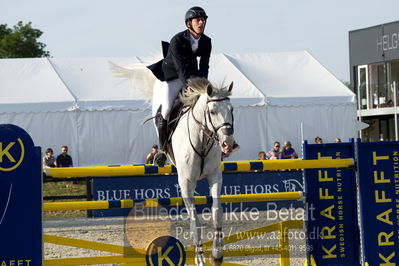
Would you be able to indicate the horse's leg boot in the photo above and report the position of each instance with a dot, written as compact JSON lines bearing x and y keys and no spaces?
{"x":160,"y":159}
{"x":236,"y":147}
{"x":162,"y":126}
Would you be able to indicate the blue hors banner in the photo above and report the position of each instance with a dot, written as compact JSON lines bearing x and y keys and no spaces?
{"x":331,"y":205}
{"x":379,"y":201}
{"x":20,"y":198}
{"x":166,"y":186}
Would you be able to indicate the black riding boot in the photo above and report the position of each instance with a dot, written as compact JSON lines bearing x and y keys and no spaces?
{"x":162,"y":125}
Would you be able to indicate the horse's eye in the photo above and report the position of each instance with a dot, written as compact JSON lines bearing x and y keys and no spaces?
{"x":212,"y":112}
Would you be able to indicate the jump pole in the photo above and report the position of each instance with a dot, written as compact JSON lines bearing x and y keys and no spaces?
{"x":175,"y":201}
{"x":233,"y":166}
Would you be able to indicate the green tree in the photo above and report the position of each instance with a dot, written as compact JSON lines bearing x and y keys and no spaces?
{"x":21,"y":41}
{"x":347,"y":84}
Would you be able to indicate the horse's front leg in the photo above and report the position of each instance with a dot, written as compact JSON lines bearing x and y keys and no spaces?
{"x":187,"y":192}
{"x":215,"y":186}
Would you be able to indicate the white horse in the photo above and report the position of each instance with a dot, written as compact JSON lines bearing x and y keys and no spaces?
{"x":195,"y":149}
{"x":202,"y":133}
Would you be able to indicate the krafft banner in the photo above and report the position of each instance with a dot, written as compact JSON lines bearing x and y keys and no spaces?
{"x":331,"y":207}
{"x":20,"y":198}
{"x":378,"y":165}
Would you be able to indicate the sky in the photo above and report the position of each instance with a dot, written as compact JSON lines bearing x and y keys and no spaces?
{"x":125,"y":28}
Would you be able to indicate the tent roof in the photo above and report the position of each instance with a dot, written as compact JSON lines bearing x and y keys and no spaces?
{"x":59,"y":84}
{"x":282,"y":79}
{"x":31,"y":84}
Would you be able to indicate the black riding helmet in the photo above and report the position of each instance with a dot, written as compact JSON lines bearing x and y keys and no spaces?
{"x":195,"y":12}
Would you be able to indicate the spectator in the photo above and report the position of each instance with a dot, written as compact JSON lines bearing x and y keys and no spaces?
{"x":262,"y":155}
{"x":337,"y":140}
{"x":64,"y":159}
{"x":318,"y":140}
{"x":150,"y":156}
{"x":49,"y":159}
{"x":275,"y":153}
{"x":288,"y":152}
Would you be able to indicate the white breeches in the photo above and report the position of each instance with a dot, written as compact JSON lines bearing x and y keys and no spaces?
{"x":165,"y":94}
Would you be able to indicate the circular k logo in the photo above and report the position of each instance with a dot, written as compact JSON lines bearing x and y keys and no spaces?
{"x":11,"y":154}
{"x":165,"y":250}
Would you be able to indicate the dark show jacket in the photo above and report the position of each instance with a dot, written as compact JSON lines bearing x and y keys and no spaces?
{"x":180,"y":62}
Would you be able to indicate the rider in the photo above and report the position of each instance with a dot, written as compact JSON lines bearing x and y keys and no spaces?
{"x":180,"y":63}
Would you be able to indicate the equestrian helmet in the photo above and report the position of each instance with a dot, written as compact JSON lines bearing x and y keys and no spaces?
{"x":195,"y":12}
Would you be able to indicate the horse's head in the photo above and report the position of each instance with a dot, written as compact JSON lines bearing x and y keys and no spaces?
{"x":219,"y":116}
{"x":213,"y":110}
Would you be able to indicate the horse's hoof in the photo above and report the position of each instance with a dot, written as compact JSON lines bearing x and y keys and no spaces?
{"x":215,"y":261}
{"x":200,"y":259}
{"x":160,"y":159}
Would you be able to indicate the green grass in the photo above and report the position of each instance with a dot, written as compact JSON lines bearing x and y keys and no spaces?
{"x":64,"y":188}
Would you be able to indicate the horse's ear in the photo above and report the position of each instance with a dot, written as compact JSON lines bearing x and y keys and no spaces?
{"x":231,"y":86}
{"x":209,"y":89}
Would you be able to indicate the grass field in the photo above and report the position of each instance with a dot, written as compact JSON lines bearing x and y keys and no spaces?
{"x":64,"y":188}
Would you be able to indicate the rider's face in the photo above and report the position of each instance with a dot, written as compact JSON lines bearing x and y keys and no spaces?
{"x":198,"y":24}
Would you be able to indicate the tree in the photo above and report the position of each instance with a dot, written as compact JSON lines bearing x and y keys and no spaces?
{"x":21,"y":41}
{"x":347,"y":84}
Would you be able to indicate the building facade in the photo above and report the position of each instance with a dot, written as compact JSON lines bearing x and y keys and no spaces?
{"x":374,"y":73}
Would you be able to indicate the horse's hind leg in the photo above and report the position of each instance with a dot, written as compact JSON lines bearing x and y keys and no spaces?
{"x":215,"y":183}
{"x":187,"y":192}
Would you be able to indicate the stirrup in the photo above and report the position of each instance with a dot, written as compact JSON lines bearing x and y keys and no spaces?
{"x":160,"y":159}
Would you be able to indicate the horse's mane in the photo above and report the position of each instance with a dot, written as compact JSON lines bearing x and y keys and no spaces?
{"x":198,"y":86}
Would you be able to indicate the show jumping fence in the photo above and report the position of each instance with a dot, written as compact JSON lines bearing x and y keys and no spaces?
{"x":242,"y":166}
{"x":330,"y":176}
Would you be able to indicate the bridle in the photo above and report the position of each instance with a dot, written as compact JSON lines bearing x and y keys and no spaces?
{"x":211,"y":135}
{"x":229,"y":127}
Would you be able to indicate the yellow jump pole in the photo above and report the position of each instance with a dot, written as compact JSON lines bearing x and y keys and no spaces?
{"x":233,"y":166}
{"x":199,"y":200}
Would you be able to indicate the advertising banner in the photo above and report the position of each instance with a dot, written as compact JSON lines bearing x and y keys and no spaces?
{"x":20,"y":198}
{"x":331,"y":207}
{"x":166,"y":186}
{"x":378,"y":165}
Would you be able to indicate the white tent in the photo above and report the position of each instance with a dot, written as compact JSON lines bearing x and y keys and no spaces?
{"x":79,"y":102}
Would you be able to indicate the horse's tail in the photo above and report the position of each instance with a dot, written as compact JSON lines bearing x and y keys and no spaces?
{"x":141,"y":77}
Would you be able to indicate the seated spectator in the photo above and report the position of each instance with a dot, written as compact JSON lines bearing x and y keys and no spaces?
{"x":275,"y":153}
{"x":262,"y":155}
{"x":337,"y":140}
{"x":288,"y":151}
{"x":49,"y":159}
{"x":150,"y":156}
{"x":318,"y":140}
{"x":64,"y":159}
